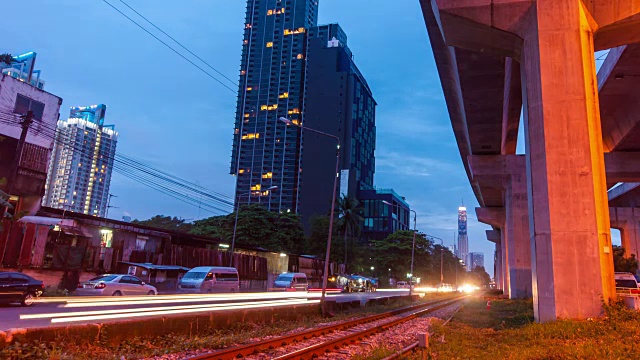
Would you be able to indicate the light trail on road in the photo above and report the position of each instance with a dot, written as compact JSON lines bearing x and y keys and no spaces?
{"x":239,"y":306}
{"x":161,"y":308}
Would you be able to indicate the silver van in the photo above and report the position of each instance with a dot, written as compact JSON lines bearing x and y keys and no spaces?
{"x":291,"y":282}
{"x":210,"y":279}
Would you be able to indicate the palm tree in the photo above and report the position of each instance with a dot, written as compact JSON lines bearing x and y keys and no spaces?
{"x":349,"y":218}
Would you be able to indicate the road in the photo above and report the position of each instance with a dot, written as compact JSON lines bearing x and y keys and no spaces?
{"x":86,"y":310}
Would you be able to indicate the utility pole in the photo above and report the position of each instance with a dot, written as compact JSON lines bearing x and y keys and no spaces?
{"x":13,"y":172}
{"x":106,"y":215}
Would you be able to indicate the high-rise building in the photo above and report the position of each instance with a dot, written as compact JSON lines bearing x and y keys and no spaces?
{"x":384,"y":212}
{"x":22,"y":67}
{"x":475,"y":259}
{"x":463,"y":241}
{"x":82,"y":162}
{"x":272,"y":85}
{"x":338,"y":102}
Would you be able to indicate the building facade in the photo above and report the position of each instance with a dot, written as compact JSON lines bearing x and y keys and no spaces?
{"x":339,"y":102}
{"x":273,"y":65}
{"x":25,"y":184}
{"x":475,"y":259}
{"x":22,"y":67}
{"x":463,"y":241}
{"x":82,"y":162}
{"x":384,"y":212}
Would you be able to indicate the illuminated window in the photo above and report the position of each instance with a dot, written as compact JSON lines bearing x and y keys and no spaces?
{"x":251,"y":136}
{"x":242,"y":72}
{"x":246,"y":115}
{"x":245,"y":42}
{"x":275,"y":12}
{"x":270,"y":44}
{"x":269,"y":12}
{"x":284,"y":95}
{"x":236,"y":131}
{"x":241,"y":171}
{"x":268,"y":175}
{"x":249,"y":88}
{"x":269,"y":107}
{"x":294,"y":32}
{"x":247,"y":26}
{"x":294,"y":111}
{"x":256,"y":187}
{"x":300,"y":56}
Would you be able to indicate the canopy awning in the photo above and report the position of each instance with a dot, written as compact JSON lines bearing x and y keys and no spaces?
{"x":74,"y":231}
{"x":43,"y":220}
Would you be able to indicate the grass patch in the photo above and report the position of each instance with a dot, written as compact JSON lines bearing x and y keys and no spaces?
{"x":507,"y":331}
{"x":136,"y":348}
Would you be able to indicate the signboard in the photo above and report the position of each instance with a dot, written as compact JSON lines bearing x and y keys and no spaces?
{"x":132,"y":271}
{"x":344,"y":182}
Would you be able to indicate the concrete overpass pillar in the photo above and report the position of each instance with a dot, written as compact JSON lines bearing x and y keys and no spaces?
{"x":627,"y":220}
{"x":495,"y":236}
{"x":508,"y":172}
{"x":495,"y":216}
{"x":569,"y":217}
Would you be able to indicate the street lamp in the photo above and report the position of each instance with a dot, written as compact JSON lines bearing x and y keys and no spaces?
{"x":333,"y":205}
{"x":413,"y":244}
{"x":235,"y":222}
{"x":441,"y":256}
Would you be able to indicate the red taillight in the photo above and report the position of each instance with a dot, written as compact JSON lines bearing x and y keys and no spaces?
{"x":100,"y":286}
{"x":79,"y":286}
{"x":635,"y":291}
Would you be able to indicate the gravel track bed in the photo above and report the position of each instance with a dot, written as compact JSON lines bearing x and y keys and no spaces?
{"x":190,"y":353}
{"x":396,"y":338}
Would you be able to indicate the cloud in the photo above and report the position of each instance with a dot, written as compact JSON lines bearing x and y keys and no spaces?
{"x":411,"y":165}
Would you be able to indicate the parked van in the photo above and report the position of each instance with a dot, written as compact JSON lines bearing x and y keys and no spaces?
{"x":626,"y":283}
{"x":292,"y":282}
{"x":210,"y":279}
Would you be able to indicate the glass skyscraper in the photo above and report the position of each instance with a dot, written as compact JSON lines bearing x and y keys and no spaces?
{"x":272,"y":85}
{"x":82,"y":162}
{"x":463,"y":241}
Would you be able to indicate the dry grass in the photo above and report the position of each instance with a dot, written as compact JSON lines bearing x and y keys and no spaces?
{"x":507,"y":331}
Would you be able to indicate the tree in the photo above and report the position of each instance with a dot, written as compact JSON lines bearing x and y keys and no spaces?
{"x":622,"y":263}
{"x":166,"y":222}
{"x":6,"y":58}
{"x":349,"y":220}
{"x":478,"y":276}
{"x":4,"y":205}
{"x":256,"y":227}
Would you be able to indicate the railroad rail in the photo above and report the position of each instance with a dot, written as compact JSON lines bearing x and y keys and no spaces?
{"x":414,"y":345}
{"x":407,"y":313}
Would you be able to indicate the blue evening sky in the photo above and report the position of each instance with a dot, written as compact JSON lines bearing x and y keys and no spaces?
{"x":172,"y":116}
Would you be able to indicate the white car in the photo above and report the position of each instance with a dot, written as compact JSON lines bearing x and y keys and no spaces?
{"x":626,"y":283}
{"x":115,"y":285}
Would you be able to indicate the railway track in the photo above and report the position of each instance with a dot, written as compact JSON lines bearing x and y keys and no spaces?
{"x":348,"y":332}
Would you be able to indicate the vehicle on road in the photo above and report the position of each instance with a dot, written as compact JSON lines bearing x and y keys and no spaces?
{"x":626,"y":283}
{"x":291,"y":282}
{"x":210,"y":279}
{"x":357,"y":283}
{"x":16,"y":287}
{"x":115,"y":285}
{"x":402,"y":285}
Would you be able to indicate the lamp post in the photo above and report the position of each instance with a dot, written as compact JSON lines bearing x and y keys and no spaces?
{"x":413,"y":243}
{"x":325,"y":274}
{"x":235,"y":222}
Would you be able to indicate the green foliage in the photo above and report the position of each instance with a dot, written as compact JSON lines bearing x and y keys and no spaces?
{"x":349,"y":220}
{"x":166,"y":222}
{"x":6,"y":58}
{"x":478,"y":276}
{"x":4,"y":204}
{"x":622,"y":263}
{"x":257,"y":227}
{"x":394,"y":252}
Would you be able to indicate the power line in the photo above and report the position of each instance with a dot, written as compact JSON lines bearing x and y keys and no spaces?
{"x":167,"y":45}
{"x":177,"y":42}
{"x":138,"y":172}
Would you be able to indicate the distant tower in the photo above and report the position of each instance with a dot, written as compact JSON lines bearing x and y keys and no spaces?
{"x":82,"y":162}
{"x":463,"y":241}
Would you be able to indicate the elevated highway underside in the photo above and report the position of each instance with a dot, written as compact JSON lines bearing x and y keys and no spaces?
{"x":498,"y":60}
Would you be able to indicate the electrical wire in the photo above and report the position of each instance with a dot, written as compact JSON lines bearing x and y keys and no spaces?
{"x":169,"y":46}
{"x":177,"y":42}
